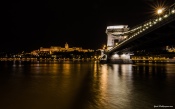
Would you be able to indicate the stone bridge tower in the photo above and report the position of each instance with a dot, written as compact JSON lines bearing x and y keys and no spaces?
{"x":115,"y":34}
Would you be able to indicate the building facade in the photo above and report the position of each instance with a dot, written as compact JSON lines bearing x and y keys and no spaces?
{"x":53,"y":49}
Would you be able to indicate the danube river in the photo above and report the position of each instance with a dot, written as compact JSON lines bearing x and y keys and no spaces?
{"x":86,"y":85}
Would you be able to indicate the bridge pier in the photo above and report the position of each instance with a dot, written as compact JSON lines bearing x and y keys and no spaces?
{"x":120,"y":59}
{"x":117,"y":58}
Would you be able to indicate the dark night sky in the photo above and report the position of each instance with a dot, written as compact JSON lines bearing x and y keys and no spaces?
{"x":29,"y":24}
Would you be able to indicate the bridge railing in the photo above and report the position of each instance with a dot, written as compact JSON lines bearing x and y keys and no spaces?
{"x":149,"y":25}
{"x":167,"y":11}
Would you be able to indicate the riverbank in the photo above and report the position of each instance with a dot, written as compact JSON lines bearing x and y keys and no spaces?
{"x":46,"y":59}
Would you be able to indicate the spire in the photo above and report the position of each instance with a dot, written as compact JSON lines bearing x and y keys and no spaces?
{"x":66,"y":46}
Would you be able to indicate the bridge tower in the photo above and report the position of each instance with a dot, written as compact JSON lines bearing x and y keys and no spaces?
{"x":115,"y":34}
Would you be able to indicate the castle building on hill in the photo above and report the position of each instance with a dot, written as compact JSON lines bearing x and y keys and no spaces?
{"x":61,"y":49}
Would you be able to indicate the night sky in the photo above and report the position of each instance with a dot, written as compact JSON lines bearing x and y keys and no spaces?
{"x":30,"y":24}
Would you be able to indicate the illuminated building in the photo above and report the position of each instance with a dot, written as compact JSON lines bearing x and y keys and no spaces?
{"x":60,"y":49}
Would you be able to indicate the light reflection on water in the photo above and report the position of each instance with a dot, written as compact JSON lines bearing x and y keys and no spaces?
{"x":85,"y":85}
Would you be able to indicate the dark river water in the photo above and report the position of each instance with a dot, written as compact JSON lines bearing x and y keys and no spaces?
{"x":86,"y":85}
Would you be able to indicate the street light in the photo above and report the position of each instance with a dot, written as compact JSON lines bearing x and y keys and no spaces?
{"x":160,"y":11}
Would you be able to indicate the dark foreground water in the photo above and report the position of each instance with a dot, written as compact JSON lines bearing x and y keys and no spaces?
{"x":86,"y":85}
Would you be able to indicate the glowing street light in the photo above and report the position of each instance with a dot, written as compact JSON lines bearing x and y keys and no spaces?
{"x":104,"y":47}
{"x":160,"y":11}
